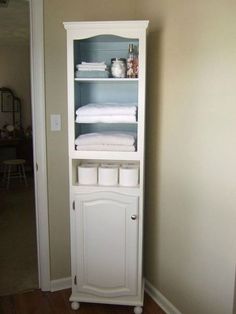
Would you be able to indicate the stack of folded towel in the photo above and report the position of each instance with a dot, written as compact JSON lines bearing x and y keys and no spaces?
{"x":106,"y":141}
{"x":92,"y":70}
{"x":107,"y":113}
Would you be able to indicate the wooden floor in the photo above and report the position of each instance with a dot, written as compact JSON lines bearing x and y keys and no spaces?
{"x":18,"y":244}
{"x":38,"y":302}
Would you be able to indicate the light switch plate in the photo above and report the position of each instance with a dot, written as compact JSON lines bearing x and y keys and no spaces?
{"x":55,"y":122}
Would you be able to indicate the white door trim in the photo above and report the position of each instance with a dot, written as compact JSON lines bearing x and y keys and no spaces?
{"x":39,"y":140}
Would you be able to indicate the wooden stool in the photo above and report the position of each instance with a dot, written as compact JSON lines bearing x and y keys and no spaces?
{"x":14,"y":168}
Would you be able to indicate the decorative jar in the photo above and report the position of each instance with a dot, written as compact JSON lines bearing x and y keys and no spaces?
{"x":118,"y":67}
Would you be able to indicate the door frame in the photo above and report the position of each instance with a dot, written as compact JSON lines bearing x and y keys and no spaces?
{"x":39,"y":140}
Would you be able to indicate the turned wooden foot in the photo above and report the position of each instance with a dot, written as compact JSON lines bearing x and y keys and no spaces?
{"x":75,"y":305}
{"x":138,"y":310}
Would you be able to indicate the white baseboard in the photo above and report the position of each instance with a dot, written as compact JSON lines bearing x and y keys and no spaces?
{"x":60,"y":284}
{"x":159,"y":298}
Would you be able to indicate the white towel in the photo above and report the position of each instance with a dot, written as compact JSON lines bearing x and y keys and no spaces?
{"x":120,"y":148}
{"x":108,"y":109}
{"x":106,"y":138}
{"x":93,"y":63}
{"x":106,"y":119}
{"x":91,"y":66}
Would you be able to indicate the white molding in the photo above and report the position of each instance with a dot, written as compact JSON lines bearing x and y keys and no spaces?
{"x":160,"y":299}
{"x":107,"y":24}
{"x":39,"y":140}
{"x":61,"y":284}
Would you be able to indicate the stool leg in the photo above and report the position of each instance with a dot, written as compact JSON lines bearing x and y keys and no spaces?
{"x":18,"y":172}
{"x":23,"y":174}
{"x":8,"y":176}
{"x":4,"y":174}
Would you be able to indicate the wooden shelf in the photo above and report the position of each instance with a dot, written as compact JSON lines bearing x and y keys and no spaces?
{"x":110,"y":80}
{"x":105,"y":155}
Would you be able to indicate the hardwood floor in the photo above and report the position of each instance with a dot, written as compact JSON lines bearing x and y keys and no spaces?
{"x":38,"y":302}
{"x":18,"y":244}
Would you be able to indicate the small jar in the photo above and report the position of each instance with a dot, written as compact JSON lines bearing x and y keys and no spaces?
{"x":118,"y":67}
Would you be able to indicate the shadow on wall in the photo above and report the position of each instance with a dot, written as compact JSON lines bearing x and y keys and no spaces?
{"x":153,"y":114}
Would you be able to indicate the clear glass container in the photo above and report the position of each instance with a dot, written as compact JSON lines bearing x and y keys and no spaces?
{"x":118,"y":67}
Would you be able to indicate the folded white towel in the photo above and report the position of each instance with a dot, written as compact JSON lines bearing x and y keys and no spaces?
{"x":93,"y":63}
{"x":108,"y":109}
{"x":112,"y":138}
{"x":106,"y":119}
{"x":91,"y":66}
{"x":119,"y":148}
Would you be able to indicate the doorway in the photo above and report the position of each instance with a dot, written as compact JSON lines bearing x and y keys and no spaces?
{"x":18,"y":240}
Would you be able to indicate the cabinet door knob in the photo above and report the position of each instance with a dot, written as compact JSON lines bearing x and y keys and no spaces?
{"x":134,"y":217}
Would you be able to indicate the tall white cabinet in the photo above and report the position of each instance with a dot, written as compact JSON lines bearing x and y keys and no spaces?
{"x":106,"y":219}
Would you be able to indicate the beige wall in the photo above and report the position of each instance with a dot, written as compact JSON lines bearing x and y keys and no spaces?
{"x":190,"y":245}
{"x":191,"y":144}
{"x":15,"y":74}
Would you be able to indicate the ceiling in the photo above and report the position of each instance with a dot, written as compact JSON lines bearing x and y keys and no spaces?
{"x":14,"y":23}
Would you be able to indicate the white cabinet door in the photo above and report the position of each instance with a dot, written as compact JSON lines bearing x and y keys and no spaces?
{"x":106,"y":226}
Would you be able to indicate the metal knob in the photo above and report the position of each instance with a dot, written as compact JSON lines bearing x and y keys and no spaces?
{"x":134,"y":217}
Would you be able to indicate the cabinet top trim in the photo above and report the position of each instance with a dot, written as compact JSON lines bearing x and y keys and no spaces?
{"x":101,"y":24}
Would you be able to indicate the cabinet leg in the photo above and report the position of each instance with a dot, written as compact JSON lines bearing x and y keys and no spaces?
{"x":75,"y":305}
{"x":138,"y":310}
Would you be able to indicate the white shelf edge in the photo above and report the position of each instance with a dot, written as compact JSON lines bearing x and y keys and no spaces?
{"x":116,"y":188}
{"x":106,"y":79}
{"x":107,"y":122}
{"x":105,"y":155}
{"x":95,"y":186}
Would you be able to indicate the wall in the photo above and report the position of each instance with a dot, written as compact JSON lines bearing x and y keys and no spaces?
{"x":190,"y":245}
{"x":15,"y":74}
{"x":55,"y":13}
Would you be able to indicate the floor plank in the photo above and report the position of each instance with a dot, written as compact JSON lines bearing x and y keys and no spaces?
{"x":33,"y":302}
{"x":38,"y":302}
{"x":6,"y":305}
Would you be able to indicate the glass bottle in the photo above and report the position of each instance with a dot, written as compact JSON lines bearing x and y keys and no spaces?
{"x":130,"y":59}
{"x":132,"y":63}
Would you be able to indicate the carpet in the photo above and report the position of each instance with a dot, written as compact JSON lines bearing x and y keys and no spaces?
{"x":18,"y":246}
